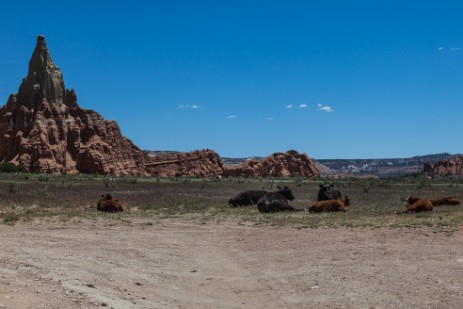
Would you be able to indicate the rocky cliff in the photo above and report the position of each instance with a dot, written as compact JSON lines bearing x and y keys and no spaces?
{"x":452,"y":167}
{"x":279,"y":164}
{"x":203,"y":163}
{"x":43,"y":128}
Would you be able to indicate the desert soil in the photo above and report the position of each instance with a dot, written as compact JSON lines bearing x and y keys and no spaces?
{"x":176,"y":264}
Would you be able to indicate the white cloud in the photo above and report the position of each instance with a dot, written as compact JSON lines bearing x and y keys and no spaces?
{"x":325,"y":108}
{"x":289,"y":106}
{"x":269,"y":118}
{"x":232,"y":117}
{"x":452,"y":49}
{"x":187,"y":106}
{"x":303,"y":106}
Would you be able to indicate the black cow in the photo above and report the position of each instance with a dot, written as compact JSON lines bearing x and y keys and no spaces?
{"x":276,"y":201}
{"x":245,"y":198}
{"x":327,"y":192}
{"x":250,"y":197}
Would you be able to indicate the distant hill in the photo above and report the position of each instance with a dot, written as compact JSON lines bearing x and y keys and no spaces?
{"x":367,"y":167}
{"x":379,"y":167}
{"x":236,"y":161}
{"x":359,"y":167}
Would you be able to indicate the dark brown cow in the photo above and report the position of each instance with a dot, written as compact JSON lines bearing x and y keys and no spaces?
{"x":327,"y":192}
{"x":421,"y":204}
{"x":450,"y":200}
{"x":108,"y":204}
{"x":437,"y":201}
{"x":251,"y":197}
{"x":331,"y":205}
{"x":276,"y":201}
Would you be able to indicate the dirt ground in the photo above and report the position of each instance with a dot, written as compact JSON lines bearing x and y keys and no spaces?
{"x":173,"y":264}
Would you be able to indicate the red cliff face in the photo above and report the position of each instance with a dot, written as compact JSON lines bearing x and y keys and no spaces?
{"x":287,"y":164}
{"x":43,"y":127}
{"x":207,"y":163}
{"x":203,"y":163}
{"x":446,"y":167}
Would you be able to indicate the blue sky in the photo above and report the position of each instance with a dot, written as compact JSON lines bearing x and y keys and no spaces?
{"x":333,"y":79}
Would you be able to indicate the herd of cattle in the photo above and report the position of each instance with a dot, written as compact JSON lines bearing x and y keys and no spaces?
{"x":328,"y":199}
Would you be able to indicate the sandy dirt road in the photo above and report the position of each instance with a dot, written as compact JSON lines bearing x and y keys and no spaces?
{"x":172,"y":264}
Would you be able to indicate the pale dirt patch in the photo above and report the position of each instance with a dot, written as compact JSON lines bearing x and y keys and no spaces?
{"x":91,"y":264}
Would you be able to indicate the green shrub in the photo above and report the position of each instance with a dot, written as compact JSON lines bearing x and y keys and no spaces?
{"x":14,"y":187}
{"x":9,"y":167}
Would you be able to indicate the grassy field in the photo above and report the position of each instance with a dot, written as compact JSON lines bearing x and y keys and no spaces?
{"x":375,"y":202}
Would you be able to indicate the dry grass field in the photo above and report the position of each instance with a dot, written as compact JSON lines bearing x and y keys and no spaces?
{"x":375,"y":203}
{"x":179,"y":245}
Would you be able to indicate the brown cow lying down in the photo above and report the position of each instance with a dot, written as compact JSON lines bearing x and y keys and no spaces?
{"x":107,"y":203}
{"x":436,"y":201}
{"x":331,"y":205}
{"x":421,"y":204}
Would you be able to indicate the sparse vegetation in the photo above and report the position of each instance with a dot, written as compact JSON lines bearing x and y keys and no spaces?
{"x":13,"y":187}
{"x":206,"y":200}
{"x":8,"y":167}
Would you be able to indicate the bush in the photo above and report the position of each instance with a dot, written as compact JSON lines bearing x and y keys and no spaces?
{"x":13,"y":187}
{"x":10,"y":218}
{"x":9,"y":167}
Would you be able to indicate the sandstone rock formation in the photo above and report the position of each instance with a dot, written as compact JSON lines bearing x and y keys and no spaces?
{"x":204,"y":163}
{"x":452,"y":167}
{"x":207,"y":163}
{"x":287,"y":164}
{"x":43,"y":128}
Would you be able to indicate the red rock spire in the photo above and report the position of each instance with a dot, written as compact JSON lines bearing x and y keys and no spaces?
{"x":44,"y":79}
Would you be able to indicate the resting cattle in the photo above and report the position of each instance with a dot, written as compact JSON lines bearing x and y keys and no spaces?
{"x":276,"y":201}
{"x":419,"y":205}
{"x":251,"y":197}
{"x":327,"y":192}
{"x":108,"y":204}
{"x":436,"y":201}
{"x":330,"y":205}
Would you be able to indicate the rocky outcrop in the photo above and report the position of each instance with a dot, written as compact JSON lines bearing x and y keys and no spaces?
{"x":287,"y":164}
{"x":453,"y":167}
{"x":202,"y":163}
{"x":43,"y":128}
{"x":207,"y":163}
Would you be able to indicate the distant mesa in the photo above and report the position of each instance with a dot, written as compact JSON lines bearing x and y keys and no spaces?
{"x":43,"y":128}
{"x":385,"y":167}
{"x":445,"y":167}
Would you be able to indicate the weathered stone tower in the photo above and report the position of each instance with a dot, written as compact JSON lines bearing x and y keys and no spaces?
{"x":43,"y":128}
